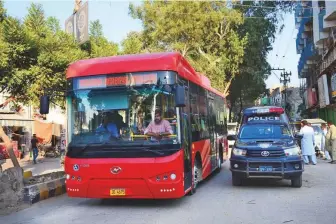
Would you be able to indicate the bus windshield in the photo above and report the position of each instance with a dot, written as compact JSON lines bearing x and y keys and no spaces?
{"x":120,"y":116}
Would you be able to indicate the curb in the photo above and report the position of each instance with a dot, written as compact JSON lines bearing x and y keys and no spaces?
{"x":38,"y":192}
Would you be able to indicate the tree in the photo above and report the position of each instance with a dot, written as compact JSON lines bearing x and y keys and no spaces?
{"x":133,"y":44}
{"x":203,"y":32}
{"x":99,"y":46}
{"x":35,"y":56}
{"x":261,"y":24}
{"x":2,"y":11}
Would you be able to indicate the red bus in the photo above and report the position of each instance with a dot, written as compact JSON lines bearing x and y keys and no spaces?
{"x":120,"y":160}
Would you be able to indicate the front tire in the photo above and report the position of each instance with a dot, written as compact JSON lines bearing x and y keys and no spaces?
{"x":236,"y":180}
{"x":197,"y":176}
{"x":219,"y":165}
{"x":297,"y":182}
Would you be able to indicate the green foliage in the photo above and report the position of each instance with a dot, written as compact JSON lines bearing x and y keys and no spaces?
{"x":35,"y":53}
{"x":261,"y":28}
{"x":204,"y":32}
{"x":133,"y":44}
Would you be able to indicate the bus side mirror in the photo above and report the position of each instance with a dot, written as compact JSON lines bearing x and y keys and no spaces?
{"x":180,"y":96}
{"x":44,"y":104}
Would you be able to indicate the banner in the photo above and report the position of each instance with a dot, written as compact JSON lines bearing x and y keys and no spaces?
{"x":323,"y":91}
{"x":82,"y":24}
{"x":70,"y":25}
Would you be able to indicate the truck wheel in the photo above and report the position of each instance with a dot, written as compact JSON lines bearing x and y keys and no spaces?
{"x":297,"y":182}
{"x":236,"y":180}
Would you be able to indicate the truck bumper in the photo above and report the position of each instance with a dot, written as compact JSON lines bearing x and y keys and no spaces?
{"x":274,"y":169}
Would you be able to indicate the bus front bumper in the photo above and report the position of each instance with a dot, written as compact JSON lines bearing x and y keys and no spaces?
{"x":124,"y":188}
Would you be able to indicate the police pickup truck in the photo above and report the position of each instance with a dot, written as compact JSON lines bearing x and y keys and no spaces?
{"x":266,"y":147}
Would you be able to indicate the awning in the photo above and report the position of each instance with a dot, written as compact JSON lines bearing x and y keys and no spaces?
{"x":12,"y":119}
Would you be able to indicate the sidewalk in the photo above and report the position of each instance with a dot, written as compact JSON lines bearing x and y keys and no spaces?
{"x":43,"y":166}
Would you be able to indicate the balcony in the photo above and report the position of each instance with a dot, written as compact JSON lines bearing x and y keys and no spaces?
{"x":304,"y":23}
{"x":321,"y":20}
{"x":307,"y":59}
{"x":307,"y":16}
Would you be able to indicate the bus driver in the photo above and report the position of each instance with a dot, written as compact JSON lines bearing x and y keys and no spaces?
{"x":158,"y":128}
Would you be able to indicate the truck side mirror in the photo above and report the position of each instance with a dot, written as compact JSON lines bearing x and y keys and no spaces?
{"x":44,"y":104}
{"x":180,"y":96}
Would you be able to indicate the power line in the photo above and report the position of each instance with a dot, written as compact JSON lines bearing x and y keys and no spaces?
{"x":272,"y":7}
{"x":287,"y":47}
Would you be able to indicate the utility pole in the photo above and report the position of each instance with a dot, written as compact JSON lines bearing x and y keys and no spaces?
{"x":285,"y":79}
{"x":77,"y":5}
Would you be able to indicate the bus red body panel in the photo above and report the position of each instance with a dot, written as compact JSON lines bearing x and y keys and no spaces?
{"x":167,"y":61}
{"x":138,"y":176}
{"x":108,"y":171}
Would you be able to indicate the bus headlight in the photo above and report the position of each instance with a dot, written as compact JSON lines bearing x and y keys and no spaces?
{"x":293,"y":151}
{"x":239,"y":152}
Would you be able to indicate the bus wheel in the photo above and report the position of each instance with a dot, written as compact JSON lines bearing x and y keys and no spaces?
{"x":197,"y":176}
{"x":219,"y":165}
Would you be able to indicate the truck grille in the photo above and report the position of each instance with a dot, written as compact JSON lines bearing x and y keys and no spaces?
{"x":272,"y":153}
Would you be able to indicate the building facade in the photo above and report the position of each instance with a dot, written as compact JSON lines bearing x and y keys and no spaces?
{"x":315,"y":42}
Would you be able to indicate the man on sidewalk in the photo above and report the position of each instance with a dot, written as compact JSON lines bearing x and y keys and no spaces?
{"x":325,"y":142}
{"x":307,"y":143}
{"x":331,"y":136}
{"x":34,"y":142}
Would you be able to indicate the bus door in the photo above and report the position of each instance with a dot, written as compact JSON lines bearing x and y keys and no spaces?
{"x":212,"y":130}
{"x":186,"y":141}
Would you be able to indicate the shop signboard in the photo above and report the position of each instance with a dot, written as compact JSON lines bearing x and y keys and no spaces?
{"x":333,"y":85}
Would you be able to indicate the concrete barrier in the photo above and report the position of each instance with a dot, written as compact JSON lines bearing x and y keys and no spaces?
{"x":11,"y":185}
{"x":41,"y":191}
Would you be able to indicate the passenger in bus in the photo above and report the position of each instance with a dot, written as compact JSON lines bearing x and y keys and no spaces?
{"x":159,"y":128}
{"x":110,"y":126}
{"x":118,"y":120}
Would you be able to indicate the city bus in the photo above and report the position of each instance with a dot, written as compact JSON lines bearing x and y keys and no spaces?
{"x":111,"y":102}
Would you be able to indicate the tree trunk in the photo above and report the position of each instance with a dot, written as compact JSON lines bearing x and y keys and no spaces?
{"x":9,"y":147}
{"x":13,"y":157}
{"x":230,"y":114}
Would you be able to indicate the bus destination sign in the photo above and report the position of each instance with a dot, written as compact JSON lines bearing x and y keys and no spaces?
{"x":115,"y":80}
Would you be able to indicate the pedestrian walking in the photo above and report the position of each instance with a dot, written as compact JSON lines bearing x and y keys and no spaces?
{"x":325,"y":142}
{"x":308,"y":143}
{"x":34,"y":142}
{"x":331,"y":136}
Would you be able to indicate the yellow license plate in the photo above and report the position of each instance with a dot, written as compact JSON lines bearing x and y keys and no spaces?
{"x":118,"y":192}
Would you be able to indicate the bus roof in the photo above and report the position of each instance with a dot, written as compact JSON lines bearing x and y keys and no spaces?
{"x":168,"y":61}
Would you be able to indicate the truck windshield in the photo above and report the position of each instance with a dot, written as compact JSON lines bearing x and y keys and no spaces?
{"x":317,"y":129}
{"x":120,"y":116}
{"x":264,"y":131}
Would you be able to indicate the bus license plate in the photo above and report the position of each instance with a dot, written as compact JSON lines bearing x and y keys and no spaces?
{"x":117,"y":192}
{"x":265,"y":168}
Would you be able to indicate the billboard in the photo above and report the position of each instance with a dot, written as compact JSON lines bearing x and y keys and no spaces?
{"x":70,"y":25}
{"x":78,"y":24}
{"x":82,"y":23}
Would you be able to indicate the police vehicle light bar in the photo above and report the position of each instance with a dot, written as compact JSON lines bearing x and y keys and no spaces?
{"x":276,"y":110}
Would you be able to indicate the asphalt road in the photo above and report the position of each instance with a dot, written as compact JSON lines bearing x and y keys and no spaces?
{"x":216,"y":201}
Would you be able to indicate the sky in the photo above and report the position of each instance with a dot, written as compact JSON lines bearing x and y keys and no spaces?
{"x":117,"y":23}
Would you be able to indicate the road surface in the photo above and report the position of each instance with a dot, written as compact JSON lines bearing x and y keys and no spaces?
{"x":216,"y":201}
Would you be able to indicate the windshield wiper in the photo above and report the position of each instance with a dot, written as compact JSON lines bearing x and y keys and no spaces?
{"x":82,"y":150}
{"x":153,"y":151}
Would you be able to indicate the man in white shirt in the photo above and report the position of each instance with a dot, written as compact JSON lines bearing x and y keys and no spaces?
{"x":307,"y":143}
